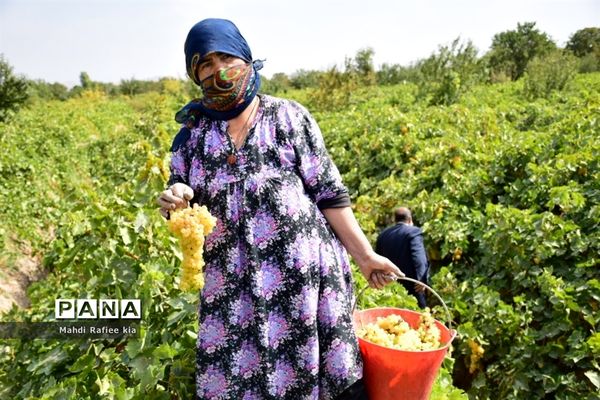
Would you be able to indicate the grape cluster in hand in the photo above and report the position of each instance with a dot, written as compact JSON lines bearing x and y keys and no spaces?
{"x":190,"y":226}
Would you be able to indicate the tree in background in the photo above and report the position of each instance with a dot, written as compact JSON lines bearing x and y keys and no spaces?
{"x":279,"y":83}
{"x":85,"y":81}
{"x":39,"y":89}
{"x":171,"y":86}
{"x":336,"y":88}
{"x":512,"y":50}
{"x":361,"y":67}
{"x":445,"y":75}
{"x":584,"y":41}
{"x":302,"y":78}
{"x":393,"y":74}
{"x":585,"y":44}
{"x":131,"y":87}
{"x":334,"y":91}
{"x":13,"y":90}
{"x":549,"y":73}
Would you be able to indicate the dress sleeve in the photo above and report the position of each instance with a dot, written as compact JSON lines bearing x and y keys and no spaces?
{"x":319,"y":174}
{"x":179,"y":163}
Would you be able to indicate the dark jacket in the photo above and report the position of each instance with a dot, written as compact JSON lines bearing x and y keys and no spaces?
{"x":403,"y":245}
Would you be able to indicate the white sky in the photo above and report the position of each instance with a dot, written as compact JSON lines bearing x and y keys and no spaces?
{"x":112,"y":40}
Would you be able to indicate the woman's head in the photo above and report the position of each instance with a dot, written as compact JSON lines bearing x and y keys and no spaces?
{"x":213,"y":36}
{"x":219,"y":60}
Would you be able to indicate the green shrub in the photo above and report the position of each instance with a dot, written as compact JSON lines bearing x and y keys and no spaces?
{"x":511,"y":51}
{"x":447,"y":74}
{"x":506,"y":190}
{"x":549,"y":73}
{"x":13,"y":90}
{"x":334,"y":91}
{"x":590,"y":62}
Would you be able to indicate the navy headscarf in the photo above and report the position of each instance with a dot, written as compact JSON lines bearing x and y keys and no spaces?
{"x":208,"y":36}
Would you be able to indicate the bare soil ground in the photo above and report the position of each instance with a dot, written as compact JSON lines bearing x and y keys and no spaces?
{"x":14,"y":279}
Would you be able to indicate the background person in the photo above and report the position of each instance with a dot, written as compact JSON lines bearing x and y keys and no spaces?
{"x":403,"y":244}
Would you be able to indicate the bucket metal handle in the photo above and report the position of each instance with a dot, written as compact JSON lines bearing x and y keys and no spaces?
{"x":403,"y":278}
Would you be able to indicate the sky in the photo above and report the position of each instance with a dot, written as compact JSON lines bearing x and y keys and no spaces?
{"x":113,"y":40}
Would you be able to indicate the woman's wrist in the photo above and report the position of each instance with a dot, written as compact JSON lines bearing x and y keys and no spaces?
{"x":364,"y":258}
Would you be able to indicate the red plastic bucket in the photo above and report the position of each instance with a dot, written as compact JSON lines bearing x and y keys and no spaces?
{"x":391,"y":374}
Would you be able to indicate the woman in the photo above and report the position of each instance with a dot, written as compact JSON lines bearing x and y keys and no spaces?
{"x":275,"y":313}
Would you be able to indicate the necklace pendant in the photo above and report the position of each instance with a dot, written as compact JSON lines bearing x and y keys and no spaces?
{"x":231,"y":159}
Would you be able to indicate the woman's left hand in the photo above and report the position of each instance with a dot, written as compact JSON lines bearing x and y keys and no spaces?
{"x":378,"y":270}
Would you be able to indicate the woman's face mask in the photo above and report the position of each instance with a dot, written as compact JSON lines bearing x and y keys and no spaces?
{"x":227,"y":87}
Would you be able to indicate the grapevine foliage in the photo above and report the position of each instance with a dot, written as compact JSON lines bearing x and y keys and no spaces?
{"x":506,"y":190}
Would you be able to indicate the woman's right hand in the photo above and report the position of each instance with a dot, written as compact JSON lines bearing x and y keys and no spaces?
{"x":177,"y":196}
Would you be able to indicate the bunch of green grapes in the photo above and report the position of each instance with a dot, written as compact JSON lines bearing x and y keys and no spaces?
{"x":428,"y":331}
{"x":393,"y":332}
{"x":476,"y":355}
{"x":190,"y":226}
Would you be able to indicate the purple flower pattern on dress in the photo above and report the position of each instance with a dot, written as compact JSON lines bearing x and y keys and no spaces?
{"x":330,"y":308}
{"x":310,"y":167}
{"x":282,"y":379}
{"x":301,"y":253}
{"x":261,"y":182}
{"x":270,"y":279}
{"x":235,"y":207}
{"x":264,"y":140}
{"x":327,"y":257}
{"x":287,"y":157}
{"x":339,"y":359}
{"x":308,"y":356}
{"x":221,"y":179}
{"x":292,"y":205}
{"x":178,"y":163}
{"x":242,"y":311}
{"x":305,"y":305}
{"x":213,"y":383}
{"x":315,"y":393}
{"x":237,"y":259}
{"x":197,"y":173}
{"x":264,"y":330}
{"x":264,"y":228}
{"x":305,"y":252}
{"x":278,"y":329}
{"x":212,"y":334}
{"x":251,"y":395}
{"x":246,"y":360}
{"x":215,"y":143}
{"x":216,"y":236}
{"x":214,"y":286}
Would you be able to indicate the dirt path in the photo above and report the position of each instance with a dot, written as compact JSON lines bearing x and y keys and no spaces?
{"x":14,"y":281}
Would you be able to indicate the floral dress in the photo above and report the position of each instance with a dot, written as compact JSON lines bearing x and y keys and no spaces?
{"x":275,"y":312}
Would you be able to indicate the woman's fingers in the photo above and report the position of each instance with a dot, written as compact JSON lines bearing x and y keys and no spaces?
{"x":182,"y":191}
{"x":378,"y":280}
{"x":164,"y":212}
{"x":393,"y":270}
{"x":162,"y":202}
{"x":177,"y":196}
{"x":177,"y":191}
{"x":168,"y":201}
{"x":188,"y":193}
{"x":386,"y":266}
{"x":372,"y":284}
